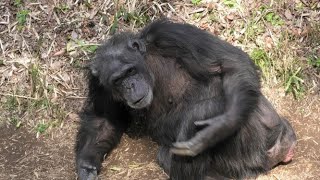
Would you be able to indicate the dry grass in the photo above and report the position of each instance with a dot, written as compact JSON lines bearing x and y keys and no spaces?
{"x":45,"y":47}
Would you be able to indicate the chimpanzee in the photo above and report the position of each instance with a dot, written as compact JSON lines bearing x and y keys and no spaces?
{"x":199,"y":97}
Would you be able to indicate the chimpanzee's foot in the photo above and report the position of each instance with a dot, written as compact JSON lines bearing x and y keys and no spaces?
{"x":289,"y":155}
{"x":283,"y":150}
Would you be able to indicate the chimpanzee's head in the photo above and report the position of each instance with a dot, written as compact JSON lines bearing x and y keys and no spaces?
{"x":119,"y":65}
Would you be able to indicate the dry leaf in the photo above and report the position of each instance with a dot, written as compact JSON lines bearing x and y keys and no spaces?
{"x":288,"y":14}
{"x":269,"y":42}
{"x":65,"y":77}
{"x":197,"y":11}
{"x":59,"y":53}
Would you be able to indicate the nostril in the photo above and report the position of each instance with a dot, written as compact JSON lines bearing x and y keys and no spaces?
{"x":130,"y":86}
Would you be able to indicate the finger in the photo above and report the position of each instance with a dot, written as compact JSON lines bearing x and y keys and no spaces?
{"x":88,"y":175}
{"x":203,"y":123}
{"x":199,"y":138}
{"x":93,"y":175}
{"x":88,"y":166}
{"x":87,"y":172}
{"x":182,"y":151}
{"x":183,"y":145}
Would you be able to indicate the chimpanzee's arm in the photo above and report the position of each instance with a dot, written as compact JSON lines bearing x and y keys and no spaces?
{"x":101,"y":128}
{"x":241,"y":90}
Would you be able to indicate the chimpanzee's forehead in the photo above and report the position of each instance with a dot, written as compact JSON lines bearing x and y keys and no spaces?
{"x":116,"y":55}
{"x":114,"y":64}
{"x":114,"y":60}
{"x":112,"y":53}
{"x":121,"y":54}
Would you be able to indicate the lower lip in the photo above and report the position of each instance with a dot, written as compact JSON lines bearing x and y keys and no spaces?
{"x":139,"y":101}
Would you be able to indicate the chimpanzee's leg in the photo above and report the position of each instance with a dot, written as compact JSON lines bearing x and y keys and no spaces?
{"x":188,"y":167}
{"x":212,"y":175}
{"x":164,"y":158}
{"x":193,"y":167}
{"x":281,"y":137}
{"x":283,"y":149}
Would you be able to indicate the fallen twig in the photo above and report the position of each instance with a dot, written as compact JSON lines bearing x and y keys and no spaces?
{"x":18,"y":96}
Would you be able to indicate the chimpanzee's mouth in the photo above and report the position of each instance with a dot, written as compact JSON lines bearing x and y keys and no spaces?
{"x":139,"y":100}
{"x":142,"y":102}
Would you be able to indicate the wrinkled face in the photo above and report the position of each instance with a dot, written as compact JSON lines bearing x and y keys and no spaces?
{"x":120,"y":68}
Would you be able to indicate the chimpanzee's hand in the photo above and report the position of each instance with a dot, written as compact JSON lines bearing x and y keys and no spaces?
{"x":87,"y":171}
{"x":199,"y":143}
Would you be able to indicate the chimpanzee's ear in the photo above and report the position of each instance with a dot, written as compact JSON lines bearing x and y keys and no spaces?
{"x":137,"y":44}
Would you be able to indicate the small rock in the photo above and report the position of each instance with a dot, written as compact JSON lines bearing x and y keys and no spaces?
{"x":211,"y":6}
{"x":74,"y":35}
{"x":230,"y":17}
{"x":73,"y":117}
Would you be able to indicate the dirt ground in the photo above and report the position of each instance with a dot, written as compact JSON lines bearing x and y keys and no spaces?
{"x":45,"y":46}
{"x":23,"y":156}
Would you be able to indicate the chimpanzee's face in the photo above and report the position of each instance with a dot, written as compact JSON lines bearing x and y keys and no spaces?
{"x":120,"y":67}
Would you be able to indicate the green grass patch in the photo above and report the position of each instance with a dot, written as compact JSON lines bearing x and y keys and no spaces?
{"x":254,"y":29}
{"x":115,"y":23}
{"x":41,"y":103}
{"x":213,"y":17}
{"x":274,"y":19}
{"x":230,"y":3}
{"x":58,"y":113}
{"x":17,"y":3}
{"x":314,"y":61}
{"x":16,"y":122}
{"x":77,"y":64}
{"x":196,"y":16}
{"x":11,"y":103}
{"x":42,"y":127}
{"x":90,"y":48}
{"x":294,"y":82}
{"x":57,"y":116}
{"x":313,"y":38}
{"x":195,"y":2}
{"x":74,"y":46}
{"x":34,"y":73}
{"x":22,"y":17}
{"x":62,"y":8}
{"x":263,"y":61}
{"x":137,"y":18}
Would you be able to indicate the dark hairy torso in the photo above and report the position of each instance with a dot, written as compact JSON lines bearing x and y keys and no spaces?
{"x":175,"y":94}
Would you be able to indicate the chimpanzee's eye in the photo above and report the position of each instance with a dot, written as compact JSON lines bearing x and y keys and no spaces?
{"x":131,"y":71}
{"x":117,"y":81}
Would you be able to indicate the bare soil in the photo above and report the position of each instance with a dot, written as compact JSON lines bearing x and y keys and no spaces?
{"x":23,"y":156}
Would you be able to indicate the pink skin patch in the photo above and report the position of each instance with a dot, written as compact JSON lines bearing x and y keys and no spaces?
{"x":289,"y":155}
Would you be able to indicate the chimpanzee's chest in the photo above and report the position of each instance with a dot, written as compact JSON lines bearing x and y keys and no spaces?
{"x":168,"y":115}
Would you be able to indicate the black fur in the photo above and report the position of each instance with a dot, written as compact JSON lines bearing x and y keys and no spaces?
{"x":171,"y":76}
